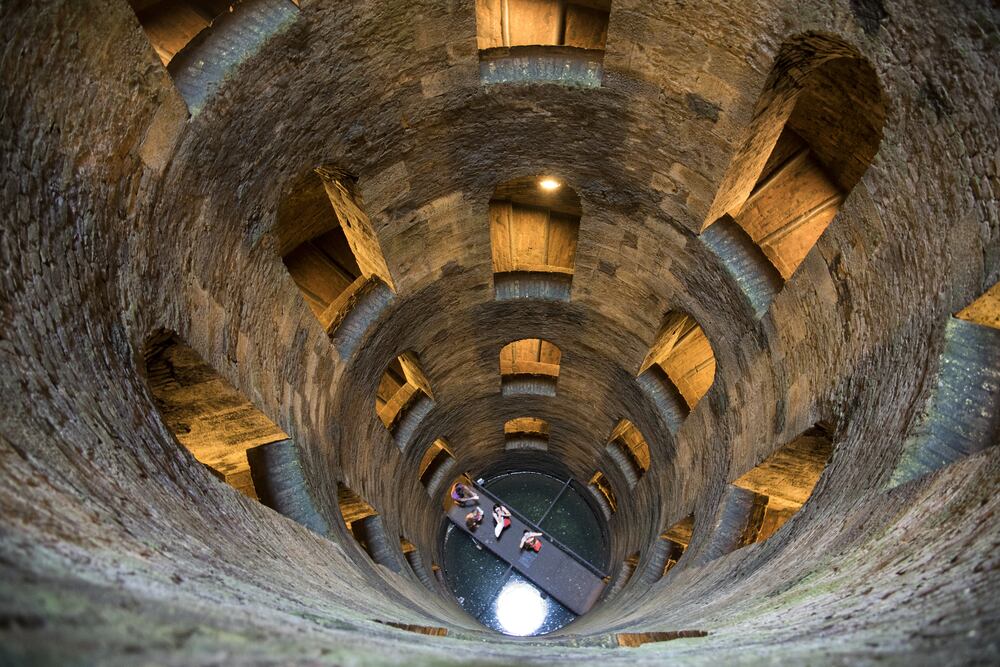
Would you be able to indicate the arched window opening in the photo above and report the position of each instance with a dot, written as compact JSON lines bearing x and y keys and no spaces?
{"x":206,"y":414}
{"x":171,"y":24}
{"x":962,"y":413}
{"x":403,"y":398}
{"x":526,"y":433}
{"x":547,"y":40}
{"x":436,"y":466}
{"x":628,"y":449}
{"x":684,"y":354}
{"x":365,"y":524}
{"x":600,"y":488}
{"x":816,"y":129}
{"x":529,"y":366}
{"x":329,"y":246}
{"x":675,"y":542}
{"x":534,"y":224}
{"x":784,"y":481}
{"x":195,"y":39}
{"x":628,"y":568}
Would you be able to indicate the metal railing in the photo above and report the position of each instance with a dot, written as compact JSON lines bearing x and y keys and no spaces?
{"x":497,"y":500}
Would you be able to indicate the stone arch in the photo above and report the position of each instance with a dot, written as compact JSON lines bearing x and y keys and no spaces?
{"x":600,"y":489}
{"x":542,"y":40}
{"x":529,"y":366}
{"x":365,"y":524}
{"x":200,"y":42}
{"x":759,"y":502}
{"x":816,"y":129}
{"x":329,"y":246}
{"x":683,"y":361}
{"x":436,"y":466}
{"x":206,"y":414}
{"x":962,"y":413}
{"x":534,"y":223}
{"x":403,"y":397}
{"x":670,"y":548}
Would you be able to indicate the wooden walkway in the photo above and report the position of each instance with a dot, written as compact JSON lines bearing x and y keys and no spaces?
{"x":559,"y":572}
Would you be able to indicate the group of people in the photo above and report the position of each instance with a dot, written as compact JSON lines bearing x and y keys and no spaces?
{"x":465,"y":497}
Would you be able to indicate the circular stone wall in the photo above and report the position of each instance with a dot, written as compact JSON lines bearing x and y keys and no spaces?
{"x":135,"y":202}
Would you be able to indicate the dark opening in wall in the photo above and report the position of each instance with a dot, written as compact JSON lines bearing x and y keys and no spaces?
{"x":547,"y":40}
{"x":675,"y":541}
{"x":962,"y":413}
{"x":329,"y":247}
{"x":206,"y":414}
{"x":526,"y":433}
{"x":201,"y":42}
{"x":628,"y":449}
{"x":534,"y":224}
{"x":436,"y":467}
{"x":625,"y":573}
{"x":816,"y":129}
{"x":403,"y":398}
{"x":783,"y":482}
{"x":600,"y":488}
{"x":684,"y":354}
{"x":529,"y":366}
{"x":171,"y":24}
{"x":364,"y":523}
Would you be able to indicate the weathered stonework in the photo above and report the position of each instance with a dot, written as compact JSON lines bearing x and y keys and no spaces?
{"x":122,"y":216}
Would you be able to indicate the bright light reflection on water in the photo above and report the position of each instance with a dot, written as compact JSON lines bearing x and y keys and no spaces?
{"x":520,"y":609}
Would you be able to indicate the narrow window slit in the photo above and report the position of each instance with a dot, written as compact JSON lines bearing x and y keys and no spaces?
{"x":403,"y":398}
{"x":526,"y":433}
{"x":434,"y":631}
{"x":436,"y":467}
{"x":635,"y":639}
{"x":629,"y":450}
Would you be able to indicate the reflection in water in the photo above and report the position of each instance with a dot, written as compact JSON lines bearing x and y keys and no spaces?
{"x":520,"y":609}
